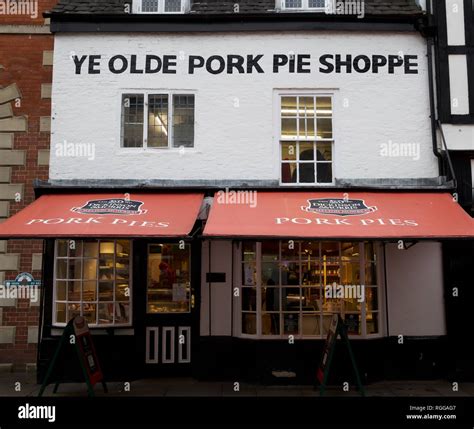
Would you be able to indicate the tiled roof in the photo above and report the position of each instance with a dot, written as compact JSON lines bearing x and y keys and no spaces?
{"x":372,"y":7}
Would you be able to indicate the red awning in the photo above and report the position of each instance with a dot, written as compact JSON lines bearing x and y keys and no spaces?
{"x":338,"y":215}
{"x":105,"y":215}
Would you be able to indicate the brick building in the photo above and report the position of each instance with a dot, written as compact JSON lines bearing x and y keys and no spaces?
{"x":26,"y":47}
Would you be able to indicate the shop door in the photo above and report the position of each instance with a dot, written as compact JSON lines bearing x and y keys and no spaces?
{"x":170,"y":319}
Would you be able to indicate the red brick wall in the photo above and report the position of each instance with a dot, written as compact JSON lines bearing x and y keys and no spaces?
{"x":21,"y":56}
{"x":42,"y":6}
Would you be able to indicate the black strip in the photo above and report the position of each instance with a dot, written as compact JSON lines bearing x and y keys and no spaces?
{"x":239,"y":26}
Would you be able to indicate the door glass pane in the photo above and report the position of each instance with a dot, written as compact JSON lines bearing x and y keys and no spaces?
{"x":271,"y":299}
{"x":169,"y":274}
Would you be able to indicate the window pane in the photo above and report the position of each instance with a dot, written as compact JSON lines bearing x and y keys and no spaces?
{"x":317,"y":3}
{"x":312,"y":272}
{"x":106,"y":313}
{"x":249,"y":299}
{"x":91,"y":249}
{"x":183,"y":120}
{"x":371,"y":299}
{"x":89,"y":292}
{"x":352,"y":322}
{"x":323,"y":107}
{"x":61,"y":268}
{"x":350,"y":251}
{"x":158,"y":121}
{"x":307,"y":173}
{"x":249,"y":251}
{"x":309,"y":249}
{"x":324,"y":128}
{"x":62,"y":246}
{"x":306,"y":106}
{"x":370,"y":274}
{"x":289,"y":107}
{"x":249,"y":275}
{"x":270,"y":251}
{"x":311,"y":299}
{"x":291,"y":298}
{"x":172,"y":5}
{"x":369,"y":252}
{"x":311,"y":324}
{"x":372,"y":323}
{"x":61,"y":313}
{"x":290,"y":273}
{"x":324,"y":171}
{"x":306,"y":152}
{"x":74,"y":291}
{"x":289,"y":128}
{"x":249,"y":323}
{"x":90,"y":269}
{"x":106,"y":291}
{"x":122,"y":292}
{"x":150,"y":5}
{"x":350,"y":273}
{"x":290,"y":250}
{"x":270,"y":274}
{"x":132,"y":120}
{"x":122,"y":313}
{"x":288,"y":172}
{"x":89,"y":311}
{"x":271,"y":299}
{"x":293,"y":4}
{"x":291,"y":323}
{"x":73,"y":310}
{"x":168,"y":278}
{"x":61,"y":288}
{"x":75,"y":269}
{"x":270,"y":324}
{"x":324,"y":151}
{"x":75,"y":248}
{"x":288,"y":151}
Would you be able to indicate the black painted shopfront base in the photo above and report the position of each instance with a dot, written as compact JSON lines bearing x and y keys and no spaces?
{"x":268,"y":362}
{"x":278,"y":362}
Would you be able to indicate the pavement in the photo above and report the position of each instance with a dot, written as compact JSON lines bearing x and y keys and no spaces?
{"x":24,"y":385}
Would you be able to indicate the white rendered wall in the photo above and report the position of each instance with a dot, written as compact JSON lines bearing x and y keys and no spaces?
{"x":236,"y":115}
{"x":415,"y":290}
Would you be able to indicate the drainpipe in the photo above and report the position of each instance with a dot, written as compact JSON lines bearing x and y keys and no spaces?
{"x":430,"y":44}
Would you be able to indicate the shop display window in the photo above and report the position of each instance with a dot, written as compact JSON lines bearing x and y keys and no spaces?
{"x":285,"y":288}
{"x":92,"y":279}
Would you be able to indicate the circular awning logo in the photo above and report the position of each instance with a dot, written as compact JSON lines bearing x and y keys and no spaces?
{"x":338,"y":207}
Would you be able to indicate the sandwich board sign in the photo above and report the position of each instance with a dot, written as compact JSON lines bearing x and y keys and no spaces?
{"x":336,"y":328}
{"x":78,"y":335}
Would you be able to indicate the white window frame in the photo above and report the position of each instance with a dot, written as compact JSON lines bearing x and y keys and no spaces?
{"x":381,"y":309}
{"x":281,"y":4}
{"x":137,"y":8}
{"x":93,"y":325}
{"x":279,"y":94}
{"x":146,"y":94}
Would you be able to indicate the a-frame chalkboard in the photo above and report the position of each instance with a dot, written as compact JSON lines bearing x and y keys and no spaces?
{"x":337,"y":328}
{"x":77,"y":334}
